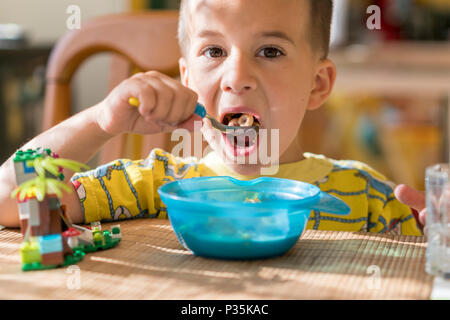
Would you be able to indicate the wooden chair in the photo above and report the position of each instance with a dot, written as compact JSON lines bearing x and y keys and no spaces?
{"x":139,"y":42}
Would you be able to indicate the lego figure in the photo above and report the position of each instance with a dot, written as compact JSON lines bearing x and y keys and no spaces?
{"x":97,"y":235}
{"x":95,"y":239}
{"x":96,"y":224}
{"x":85,"y":237}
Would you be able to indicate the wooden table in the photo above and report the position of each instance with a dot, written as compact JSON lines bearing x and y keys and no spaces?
{"x":149,"y":263}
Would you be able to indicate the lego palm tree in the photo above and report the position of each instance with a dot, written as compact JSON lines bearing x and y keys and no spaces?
{"x":42,"y":217}
{"x":38,"y":191}
{"x":43,"y":190}
{"x":39,"y":175}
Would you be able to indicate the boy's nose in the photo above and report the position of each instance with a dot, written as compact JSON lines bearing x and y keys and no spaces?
{"x":238,"y":76}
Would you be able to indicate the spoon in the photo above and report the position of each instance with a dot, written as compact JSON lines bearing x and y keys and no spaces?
{"x":201,"y":111}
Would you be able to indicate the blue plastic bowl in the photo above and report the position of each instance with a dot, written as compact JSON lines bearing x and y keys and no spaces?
{"x":211,"y":217}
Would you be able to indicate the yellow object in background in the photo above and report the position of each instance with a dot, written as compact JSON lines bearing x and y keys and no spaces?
{"x":139,"y":5}
{"x":410,"y":149}
{"x":438,"y":4}
{"x":406,"y":133}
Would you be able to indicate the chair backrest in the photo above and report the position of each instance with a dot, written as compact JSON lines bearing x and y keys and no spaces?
{"x":139,"y":41}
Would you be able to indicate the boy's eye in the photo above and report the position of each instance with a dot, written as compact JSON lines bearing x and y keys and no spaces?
{"x":214,"y":52}
{"x":270,"y":52}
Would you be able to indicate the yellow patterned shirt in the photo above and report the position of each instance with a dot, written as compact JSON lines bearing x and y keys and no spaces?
{"x":124,"y":189}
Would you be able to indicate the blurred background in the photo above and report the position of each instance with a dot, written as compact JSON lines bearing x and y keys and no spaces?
{"x":390,"y":107}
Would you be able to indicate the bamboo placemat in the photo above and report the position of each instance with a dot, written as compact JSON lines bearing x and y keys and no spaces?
{"x":149,"y":263}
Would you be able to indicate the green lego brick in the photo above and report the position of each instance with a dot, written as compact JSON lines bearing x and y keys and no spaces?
{"x":77,"y":256}
{"x":107,"y":236}
{"x":115,"y":230}
{"x":92,"y":248}
{"x":30,"y":154}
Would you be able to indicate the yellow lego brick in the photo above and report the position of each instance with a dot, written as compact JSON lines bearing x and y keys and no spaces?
{"x":30,"y":252}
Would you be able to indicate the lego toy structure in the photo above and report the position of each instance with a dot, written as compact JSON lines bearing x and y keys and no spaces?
{"x":50,"y":239}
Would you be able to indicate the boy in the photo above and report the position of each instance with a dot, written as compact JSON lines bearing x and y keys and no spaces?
{"x":265,"y":59}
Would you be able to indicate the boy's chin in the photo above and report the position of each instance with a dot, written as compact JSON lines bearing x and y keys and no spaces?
{"x":240,"y":164}
{"x":246,"y":169}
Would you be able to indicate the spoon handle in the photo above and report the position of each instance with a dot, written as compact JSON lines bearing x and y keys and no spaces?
{"x":200,"y":110}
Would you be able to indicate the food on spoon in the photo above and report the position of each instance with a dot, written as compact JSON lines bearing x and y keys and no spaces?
{"x":245,"y":138}
{"x":240,"y":120}
{"x":245,"y":120}
{"x":234,"y":123}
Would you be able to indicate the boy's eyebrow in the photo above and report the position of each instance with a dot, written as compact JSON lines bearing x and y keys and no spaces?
{"x":277,"y":34}
{"x":266,"y":34}
{"x":208,"y":33}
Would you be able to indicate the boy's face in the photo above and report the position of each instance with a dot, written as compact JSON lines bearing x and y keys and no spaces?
{"x":254,"y":56}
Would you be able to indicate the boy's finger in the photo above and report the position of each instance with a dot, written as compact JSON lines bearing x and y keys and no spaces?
{"x":161,"y":94}
{"x":145,"y":99}
{"x":164,"y":98}
{"x":411,"y":197}
{"x":189,"y":106}
{"x":423,"y":216}
{"x":176,"y":112}
{"x":181,"y":104}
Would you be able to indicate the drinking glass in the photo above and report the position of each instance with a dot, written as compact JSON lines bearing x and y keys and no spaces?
{"x":437,"y":227}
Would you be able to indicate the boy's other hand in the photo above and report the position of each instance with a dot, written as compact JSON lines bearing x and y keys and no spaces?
{"x":414,"y":199}
{"x":165,"y":104}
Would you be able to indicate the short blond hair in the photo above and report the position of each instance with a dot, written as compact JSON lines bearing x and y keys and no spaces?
{"x":183,"y":37}
{"x":321,"y":12}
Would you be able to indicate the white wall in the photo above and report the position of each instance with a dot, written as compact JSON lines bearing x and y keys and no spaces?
{"x":45,"y":22}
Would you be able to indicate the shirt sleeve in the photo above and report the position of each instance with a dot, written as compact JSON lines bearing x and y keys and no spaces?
{"x":386,"y":214}
{"x":370,"y":195}
{"x":124,"y":189}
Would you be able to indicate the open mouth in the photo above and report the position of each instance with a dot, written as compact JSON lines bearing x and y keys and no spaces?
{"x":241,"y":139}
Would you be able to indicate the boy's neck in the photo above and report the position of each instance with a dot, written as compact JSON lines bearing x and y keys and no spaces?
{"x":293,"y":153}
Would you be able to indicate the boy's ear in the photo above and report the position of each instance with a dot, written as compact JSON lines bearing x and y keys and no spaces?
{"x":323,"y":84}
{"x":183,"y":71}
